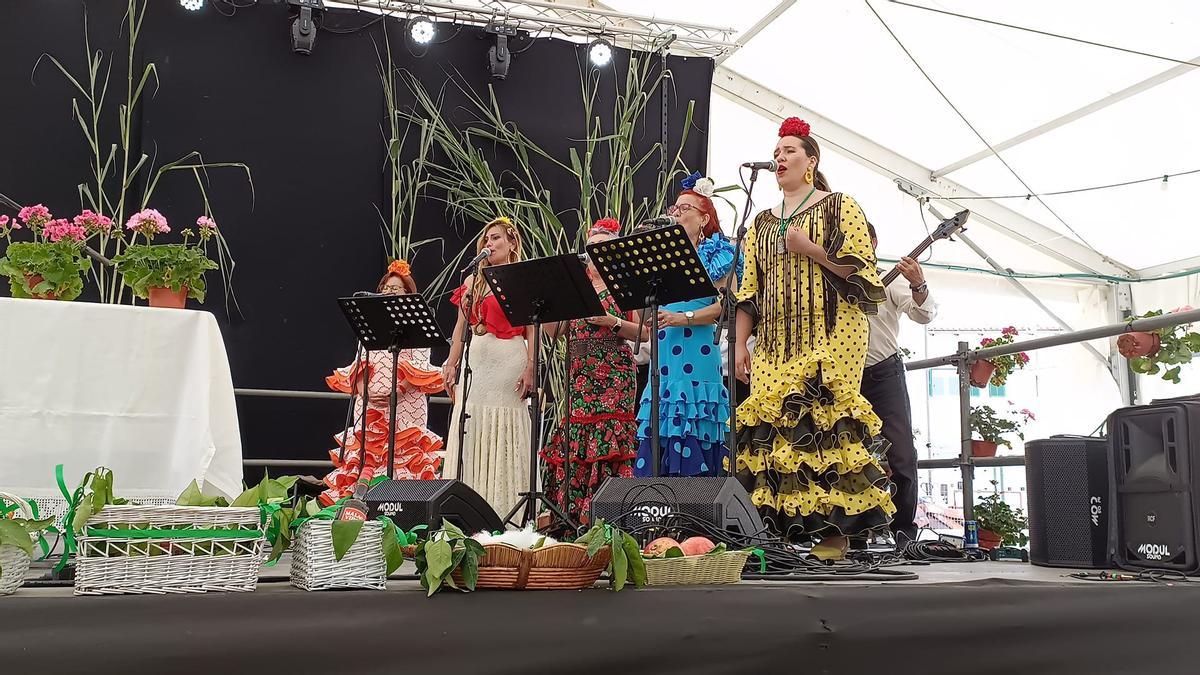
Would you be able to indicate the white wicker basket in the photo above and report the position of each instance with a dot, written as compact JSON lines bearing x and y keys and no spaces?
{"x":163,"y":561}
{"x":314,"y":568}
{"x":14,"y":563}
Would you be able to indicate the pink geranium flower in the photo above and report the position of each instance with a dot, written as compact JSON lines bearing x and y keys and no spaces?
{"x":35,"y":216}
{"x":93,"y":222}
{"x":206,"y":223}
{"x":4,"y":220}
{"x":148,"y":222}
{"x":57,"y":230}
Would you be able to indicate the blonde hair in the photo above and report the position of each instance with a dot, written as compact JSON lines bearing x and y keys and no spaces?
{"x":479,"y":284}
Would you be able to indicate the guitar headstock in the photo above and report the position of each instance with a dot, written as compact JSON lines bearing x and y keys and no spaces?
{"x":950,"y":226}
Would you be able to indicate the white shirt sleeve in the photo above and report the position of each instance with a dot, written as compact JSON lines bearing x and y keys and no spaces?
{"x":905,"y":304}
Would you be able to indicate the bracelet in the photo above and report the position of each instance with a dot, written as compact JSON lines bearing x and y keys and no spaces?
{"x":616,"y":324}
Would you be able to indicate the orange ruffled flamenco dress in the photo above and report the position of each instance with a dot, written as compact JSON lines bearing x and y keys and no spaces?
{"x":418,"y":450}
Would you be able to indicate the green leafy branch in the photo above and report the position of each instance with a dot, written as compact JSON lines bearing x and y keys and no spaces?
{"x":627,"y":564}
{"x":447,"y":550}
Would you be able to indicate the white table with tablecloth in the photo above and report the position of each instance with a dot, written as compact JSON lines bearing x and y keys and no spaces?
{"x":145,"y":392}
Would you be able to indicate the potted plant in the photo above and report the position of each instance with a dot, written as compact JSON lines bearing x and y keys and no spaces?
{"x":992,"y":429}
{"x":997,"y":369}
{"x":1000,"y":524}
{"x":166,"y":274}
{"x":51,"y":266}
{"x":1166,"y":349}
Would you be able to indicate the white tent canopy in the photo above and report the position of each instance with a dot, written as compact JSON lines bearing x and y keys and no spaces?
{"x":1060,"y":113}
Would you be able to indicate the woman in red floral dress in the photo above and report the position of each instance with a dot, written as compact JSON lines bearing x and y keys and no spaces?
{"x":601,"y":429}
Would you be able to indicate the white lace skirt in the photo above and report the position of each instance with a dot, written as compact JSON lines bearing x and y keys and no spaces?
{"x":496,"y":451}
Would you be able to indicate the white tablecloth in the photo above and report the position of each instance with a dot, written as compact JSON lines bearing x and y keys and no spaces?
{"x":145,"y":392}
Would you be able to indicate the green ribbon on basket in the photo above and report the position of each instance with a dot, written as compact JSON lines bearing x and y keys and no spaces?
{"x":762,"y":559}
{"x":68,"y":530}
{"x":167,"y":533}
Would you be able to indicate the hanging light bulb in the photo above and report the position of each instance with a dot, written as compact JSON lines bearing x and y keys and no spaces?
{"x":1163,"y":184}
{"x":600,"y":52}
{"x":422,"y":30}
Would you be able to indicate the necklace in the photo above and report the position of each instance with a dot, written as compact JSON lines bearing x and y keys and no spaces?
{"x":784,"y":222}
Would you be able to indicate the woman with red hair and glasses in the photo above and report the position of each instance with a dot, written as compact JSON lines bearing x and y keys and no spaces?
{"x":418,"y":450}
{"x":597,"y":437}
{"x":810,"y":282}
{"x":693,"y":410}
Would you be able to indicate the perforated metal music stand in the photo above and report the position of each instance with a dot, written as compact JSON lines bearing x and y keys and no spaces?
{"x":530,"y":293}
{"x":642,"y":271}
{"x":391,"y":323}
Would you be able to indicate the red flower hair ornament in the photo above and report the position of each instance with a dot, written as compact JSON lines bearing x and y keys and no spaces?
{"x":794,"y":126}
{"x":605,"y":226}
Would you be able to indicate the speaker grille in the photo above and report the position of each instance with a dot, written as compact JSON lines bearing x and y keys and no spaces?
{"x":408,"y":490}
{"x":1067,"y":481}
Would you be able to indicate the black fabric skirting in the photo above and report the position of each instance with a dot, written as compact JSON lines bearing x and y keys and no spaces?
{"x":983,"y":627}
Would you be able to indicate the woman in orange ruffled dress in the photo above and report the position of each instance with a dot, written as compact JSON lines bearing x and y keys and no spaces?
{"x":418,"y":450}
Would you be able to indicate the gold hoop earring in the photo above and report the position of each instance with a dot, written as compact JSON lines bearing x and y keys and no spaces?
{"x":808,"y":175}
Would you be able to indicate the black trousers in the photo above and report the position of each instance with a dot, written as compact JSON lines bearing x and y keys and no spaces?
{"x":884,"y":386}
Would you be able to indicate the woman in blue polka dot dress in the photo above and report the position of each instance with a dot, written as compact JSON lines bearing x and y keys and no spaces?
{"x":694,"y":403}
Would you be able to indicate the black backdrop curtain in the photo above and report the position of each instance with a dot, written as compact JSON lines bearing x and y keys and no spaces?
{"x":311,"y":128}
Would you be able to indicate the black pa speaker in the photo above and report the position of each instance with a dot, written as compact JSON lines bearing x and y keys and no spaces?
{"x":415,"y":502}
{"x":1156,"y":461}
{"x":1066,"y":478}
{"x":723,"y":502}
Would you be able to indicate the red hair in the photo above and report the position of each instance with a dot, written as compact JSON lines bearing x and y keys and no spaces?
{"x":709,"y":209}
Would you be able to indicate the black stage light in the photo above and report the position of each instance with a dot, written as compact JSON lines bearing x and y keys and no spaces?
{"x":304,"y":28}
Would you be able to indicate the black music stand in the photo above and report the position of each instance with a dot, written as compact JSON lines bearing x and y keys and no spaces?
{"x":645,"y":270}
{"x":391,"y":323}
{"x":530,"y":293}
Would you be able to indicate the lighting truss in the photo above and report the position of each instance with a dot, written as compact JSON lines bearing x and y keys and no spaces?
{"x":568,"y":20}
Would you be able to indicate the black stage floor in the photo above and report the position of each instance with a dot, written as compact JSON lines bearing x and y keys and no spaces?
{"x":959,"y":619}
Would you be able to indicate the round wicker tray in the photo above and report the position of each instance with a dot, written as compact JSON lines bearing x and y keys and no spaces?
{"x":554,"y":567}
{"x":725,"y":568}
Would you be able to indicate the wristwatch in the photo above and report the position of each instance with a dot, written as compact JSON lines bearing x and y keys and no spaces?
{"x":690,"y":316}
{"x":921,"y":288}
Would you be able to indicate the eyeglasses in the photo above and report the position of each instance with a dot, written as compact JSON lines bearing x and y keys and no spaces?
{"x":680,"y":209}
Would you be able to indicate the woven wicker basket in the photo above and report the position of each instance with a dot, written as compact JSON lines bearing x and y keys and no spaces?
{"x":14,"y":563}
{"x":315,"y":569}
{"x":554,"y":567}
{"x":724,"y":568}
{"x":170,"y":563}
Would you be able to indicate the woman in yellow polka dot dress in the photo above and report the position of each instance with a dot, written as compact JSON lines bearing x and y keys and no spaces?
{"x":810,"y":279}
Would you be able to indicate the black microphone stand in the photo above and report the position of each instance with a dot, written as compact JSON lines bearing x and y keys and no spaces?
{"x":728,"y":321}
{"x":463,"y":375}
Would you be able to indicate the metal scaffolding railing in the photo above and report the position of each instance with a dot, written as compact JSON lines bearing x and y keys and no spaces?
{"x":964,"y":357}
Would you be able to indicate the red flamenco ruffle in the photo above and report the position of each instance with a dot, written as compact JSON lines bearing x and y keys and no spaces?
{"x":425,"y":381}
{"x":620,"y":437}
{"x":488,"y":313}
{"x":418,"y":456}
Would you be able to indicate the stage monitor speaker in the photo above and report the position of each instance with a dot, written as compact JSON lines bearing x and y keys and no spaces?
{"x":1155,"y":461}
{"x":1067,"y":482}
{"x":723,"y":502}
{"x":415,"y":502}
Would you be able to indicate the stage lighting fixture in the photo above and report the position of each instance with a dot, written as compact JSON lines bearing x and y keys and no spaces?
{"x":422,"y":30}
{"x":304,"y":28}
{"x":192,"y":5}
{"x":499,"y":57}
{"x":600,"y":52}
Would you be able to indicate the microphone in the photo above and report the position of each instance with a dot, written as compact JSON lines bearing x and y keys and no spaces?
{"x":480,"y":257}
{"x":660,"y":221}
{"x":758,"y":166}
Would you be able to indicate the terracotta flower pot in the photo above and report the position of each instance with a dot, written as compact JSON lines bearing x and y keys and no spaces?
{"x":983,"y":448}
{"x":989,"y":540}
{"x":35,"y":279}
{"x":166,"y":298}
{"x":981,"y":372}
{"x":1136,"y":344}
